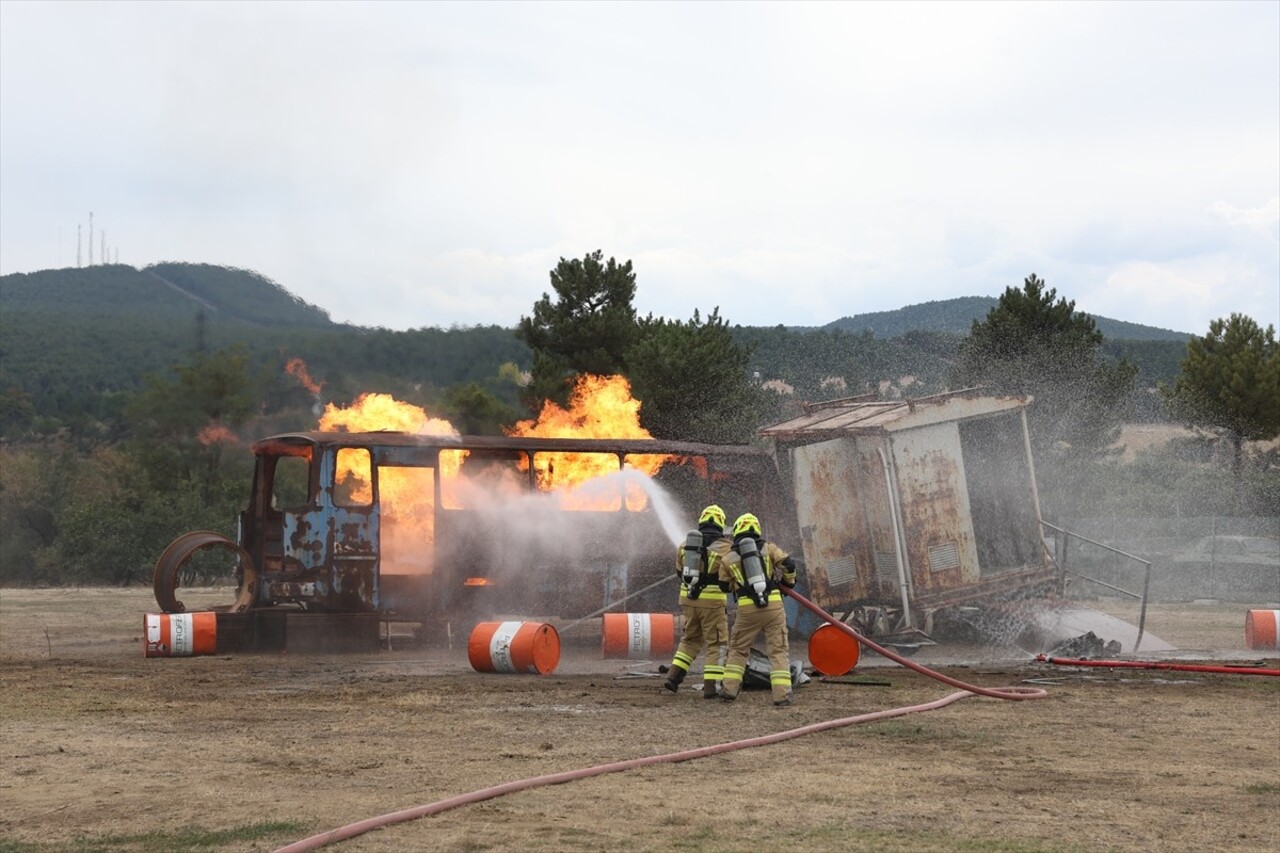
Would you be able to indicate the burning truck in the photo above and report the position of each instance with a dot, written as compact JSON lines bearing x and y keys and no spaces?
{"x":903,"y":512}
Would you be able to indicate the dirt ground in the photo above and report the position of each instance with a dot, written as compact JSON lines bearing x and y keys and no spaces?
{"x":102,"y":749}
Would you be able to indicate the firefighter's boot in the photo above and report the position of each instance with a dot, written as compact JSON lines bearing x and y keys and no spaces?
{"x":675,"y":675}
{"x":709,"y":690}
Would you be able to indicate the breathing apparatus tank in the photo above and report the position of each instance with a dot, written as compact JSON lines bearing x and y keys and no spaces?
{"x":753,"y":570}
{"x":693,"y":563}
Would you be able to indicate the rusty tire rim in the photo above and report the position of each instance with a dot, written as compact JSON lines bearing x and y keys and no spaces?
{"x":167,"y":578}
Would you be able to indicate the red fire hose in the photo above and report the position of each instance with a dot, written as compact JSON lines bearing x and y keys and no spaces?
{"x":1155,"y":664}
{"x":359,"y":828}
{"x":995,"y":692}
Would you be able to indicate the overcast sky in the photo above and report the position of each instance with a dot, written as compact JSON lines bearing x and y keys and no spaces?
{"x":408,"y":164}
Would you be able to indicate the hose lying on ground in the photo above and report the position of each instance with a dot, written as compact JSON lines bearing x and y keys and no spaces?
{"x":994,"y":692}
{"x":1155,"y":664}
{"x":360,"y":827}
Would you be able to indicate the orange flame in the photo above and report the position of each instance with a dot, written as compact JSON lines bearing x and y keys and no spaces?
{"x":599,"y":407}
{"x":407,"y":495}
{"x":297,"y":368}
{"x":214,"y":433}
{"x":377,"y":412}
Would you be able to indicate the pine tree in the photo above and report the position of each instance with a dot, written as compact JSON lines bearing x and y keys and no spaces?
{"x":1034,"y":343}
{"x":1230,"y":380}
{"x":586,"y":329}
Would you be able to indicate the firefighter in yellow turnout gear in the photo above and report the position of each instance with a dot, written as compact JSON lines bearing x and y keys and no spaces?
{"x":755,"y":570}
{"x":702,"y":603}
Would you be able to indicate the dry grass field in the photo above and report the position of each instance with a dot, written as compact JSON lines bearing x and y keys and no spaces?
{"x":101,"y":749}
{"x":1136,"y":438}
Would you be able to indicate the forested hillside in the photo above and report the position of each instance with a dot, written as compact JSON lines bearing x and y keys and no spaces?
{"x":161,"y":292}
{"x":75,"y":342}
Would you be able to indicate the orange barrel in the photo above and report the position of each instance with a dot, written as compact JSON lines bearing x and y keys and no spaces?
{"x":638,"y":635}
{"x":1262,"y":629}
{"x":514,"y":647}
{"x":832,"y":651}
{"x":171,"y":635}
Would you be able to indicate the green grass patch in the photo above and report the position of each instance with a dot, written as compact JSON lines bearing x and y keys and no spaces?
{"x":1263,"y":788}
{"x":187,"y":838}
{"x":19,"y":847}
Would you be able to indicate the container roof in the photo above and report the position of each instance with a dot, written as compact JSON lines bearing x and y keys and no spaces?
{"x":861,"y":416}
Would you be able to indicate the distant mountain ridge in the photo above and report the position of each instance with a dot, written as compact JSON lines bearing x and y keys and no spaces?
{"x":244,"y":296}
{"x":75,"y":342}
{"x":166,"y":290}
{"x":956,"y":316}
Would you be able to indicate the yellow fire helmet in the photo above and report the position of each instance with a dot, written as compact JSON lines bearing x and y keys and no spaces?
{"x":713,"y":514}
{"x":746,"y":523}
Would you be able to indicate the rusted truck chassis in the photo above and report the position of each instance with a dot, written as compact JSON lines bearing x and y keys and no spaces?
{"x":439,"y":530}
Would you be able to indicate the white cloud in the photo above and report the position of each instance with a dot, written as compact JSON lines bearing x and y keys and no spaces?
{"x":1142,"y":287}
{"x":1186,"y":293}
{"x":409,"y":164}
{"x":1264,"y":220}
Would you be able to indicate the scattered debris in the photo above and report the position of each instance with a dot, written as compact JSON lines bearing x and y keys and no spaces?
{"x":756,"y":676}
{"x":1085,"y":646}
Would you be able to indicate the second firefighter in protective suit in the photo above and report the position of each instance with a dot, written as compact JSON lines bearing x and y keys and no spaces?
{"x":755,"y":570}
{"x":703,"y":598}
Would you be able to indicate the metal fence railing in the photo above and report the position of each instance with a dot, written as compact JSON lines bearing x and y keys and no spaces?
{"x":1062,"y":540}
{"x":1175,"y":559}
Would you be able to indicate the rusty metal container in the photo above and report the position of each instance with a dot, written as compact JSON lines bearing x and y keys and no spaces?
{"x":915,"y":505}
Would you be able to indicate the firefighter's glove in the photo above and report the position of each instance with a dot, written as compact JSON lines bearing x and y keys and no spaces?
{"x":788,"y":572}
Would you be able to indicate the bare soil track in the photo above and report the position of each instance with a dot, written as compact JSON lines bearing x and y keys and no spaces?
{"x":103,"y":749}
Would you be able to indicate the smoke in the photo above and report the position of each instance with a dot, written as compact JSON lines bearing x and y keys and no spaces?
{"x":501,"y":551}
{"x":540,"y":527}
